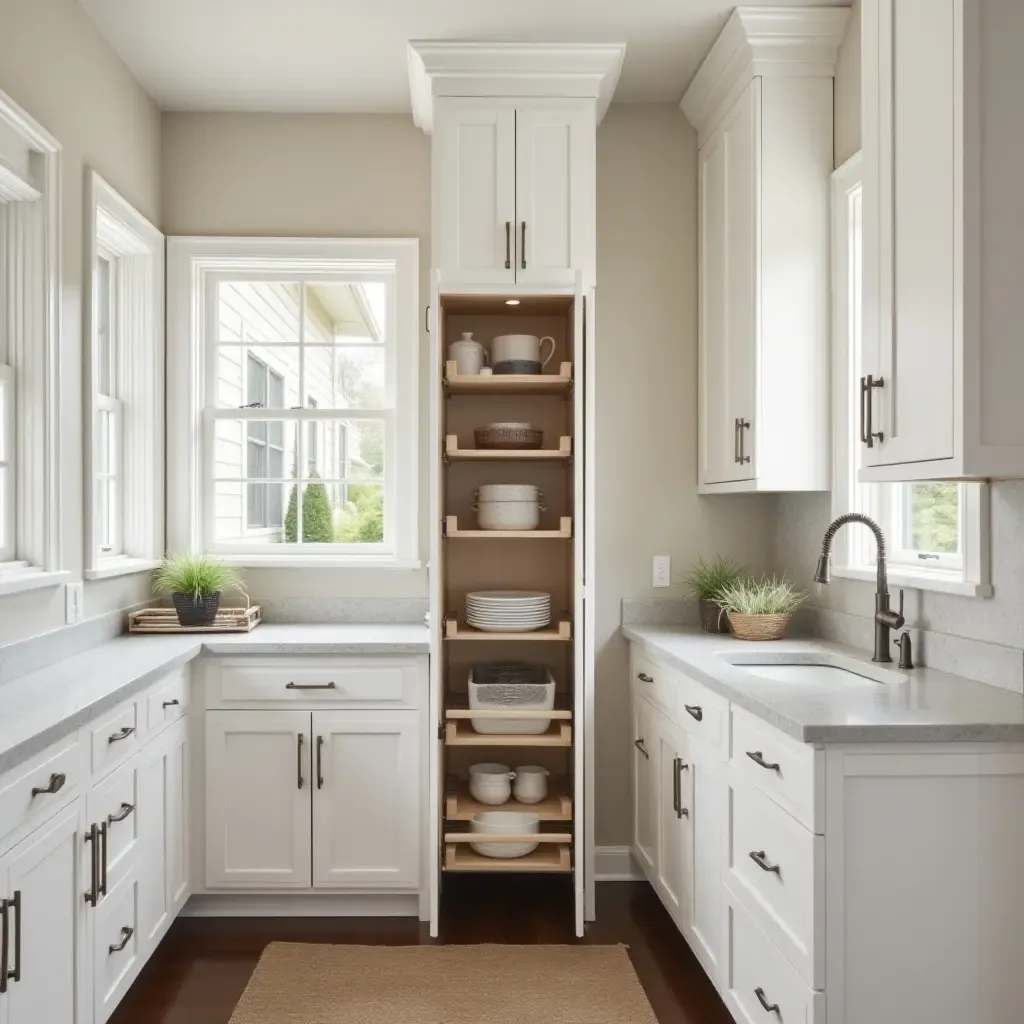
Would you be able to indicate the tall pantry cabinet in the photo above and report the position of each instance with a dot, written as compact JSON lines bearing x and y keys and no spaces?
{"x":514,"y":155}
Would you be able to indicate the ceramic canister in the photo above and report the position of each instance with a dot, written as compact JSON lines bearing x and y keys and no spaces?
{"x":469,"y":355}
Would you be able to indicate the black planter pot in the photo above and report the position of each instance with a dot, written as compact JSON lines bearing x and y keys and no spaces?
{"x":192,"y":612}
{"x":712,"y":618}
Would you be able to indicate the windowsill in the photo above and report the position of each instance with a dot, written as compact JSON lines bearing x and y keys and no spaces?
{"x":940,"y":583}
{"x":255,"y":561}
{"x":120,"y":566}
{"x":18,"y":581}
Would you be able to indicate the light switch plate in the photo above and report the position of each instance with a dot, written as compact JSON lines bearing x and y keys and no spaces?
{"x":74,"y":595}
{"x":662,"y":571}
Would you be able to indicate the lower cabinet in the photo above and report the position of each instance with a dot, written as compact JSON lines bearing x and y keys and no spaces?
{"x":645,"y":786}
{"x":329,"y":799}
{"x":674,"y":861}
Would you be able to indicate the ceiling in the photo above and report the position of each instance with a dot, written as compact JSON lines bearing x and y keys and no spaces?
{"x":350,"y":55}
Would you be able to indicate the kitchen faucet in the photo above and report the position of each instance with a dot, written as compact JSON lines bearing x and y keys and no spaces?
{"x":885,"y":618}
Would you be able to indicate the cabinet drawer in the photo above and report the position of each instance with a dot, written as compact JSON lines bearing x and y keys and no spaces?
{"x":116,"y":945}
{"x":652,"y":681}
{"x":788,"y":771}
{"x":762,"y":987}
{"x":702,"y":713}
{"x":167,"y":702}
{"x":776,"y":869}
{"x":114,"y":803}
{"x":371,"y":683}
{"x":33,"y":791}
{"x":114,"y":738}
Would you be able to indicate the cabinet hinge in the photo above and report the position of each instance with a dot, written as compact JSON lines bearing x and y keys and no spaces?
{"x":440,"y":730}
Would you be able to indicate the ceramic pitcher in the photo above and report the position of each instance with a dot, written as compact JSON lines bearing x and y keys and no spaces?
{"x":521,"y":348}
{"x":469,"y":355}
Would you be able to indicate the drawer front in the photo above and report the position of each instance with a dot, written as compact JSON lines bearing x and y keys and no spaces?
{"x":372,"y":683}
{"x":787,"y":771}
{"x":702,"y":713}
{"x":776,"y":869}
{"x":115,"y":738}
{"x":762,"y":987}
{"x":117,"y":946}
{"x":32,"y":792}
{"x":167,"y":702}
{"x":114,"y":804}
{"x":652,"y":681}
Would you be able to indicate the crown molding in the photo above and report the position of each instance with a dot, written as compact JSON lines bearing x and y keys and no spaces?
{"x":762,"y":41}
{"x":562,"y":70}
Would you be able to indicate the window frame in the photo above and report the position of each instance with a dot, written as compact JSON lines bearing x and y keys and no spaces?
{"x":8,"y":466}
{"x":195,"y":267}
{"x":134,"y":348}
{"x":853,"y":555}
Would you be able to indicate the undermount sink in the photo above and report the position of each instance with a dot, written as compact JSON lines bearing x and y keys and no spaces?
{"x":813,"y":668}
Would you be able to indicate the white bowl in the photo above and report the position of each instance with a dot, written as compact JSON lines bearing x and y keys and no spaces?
{"x":490,"y":783}
{"x":507,"y":515}
{"x":514,"y":823}
{"x":509,"y":492}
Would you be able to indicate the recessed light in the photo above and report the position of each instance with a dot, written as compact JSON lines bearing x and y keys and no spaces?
{"x":511,"y":302}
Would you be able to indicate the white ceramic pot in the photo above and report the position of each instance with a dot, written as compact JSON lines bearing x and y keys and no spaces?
{"x":508,"y":515}
{"x":531,"y":785}
{"x":509,"y":492}
{"x":521,"y":348}
{"x":469,"y":355}
{"x":496,"y":823}
{"x":491,"y":784}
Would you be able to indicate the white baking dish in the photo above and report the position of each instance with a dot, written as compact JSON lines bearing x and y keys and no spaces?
{"x":513,"y":823}
{"x":507,"y":687}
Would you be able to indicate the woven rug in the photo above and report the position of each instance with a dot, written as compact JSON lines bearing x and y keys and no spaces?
{"x":319,"y":984}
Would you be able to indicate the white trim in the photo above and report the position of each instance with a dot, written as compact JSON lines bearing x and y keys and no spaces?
{"x":9,"y":464}
{"x":520,"y":70}
{"x":294,"y":560}
{"x":952,"y":583}
{"x":18,"y":581}
{"x":616,"y":864}
{"x":313,"y":903}
{"x":120,"y":565}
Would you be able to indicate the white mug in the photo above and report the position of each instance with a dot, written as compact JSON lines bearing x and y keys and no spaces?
{"x":531,"y":784}
{"x":469,"y":355}
{"x":528,"y":347}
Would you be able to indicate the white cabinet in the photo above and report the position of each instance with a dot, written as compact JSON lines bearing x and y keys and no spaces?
{"x":514,"y":191}
{"x":673,"y":864}
{"x":645,"y":786}
{"x":765,"y":160}
{"x":258,"y":804}
{"x":42,"y":881}
{"x":942,"y":209}
{"x":367,"y":799}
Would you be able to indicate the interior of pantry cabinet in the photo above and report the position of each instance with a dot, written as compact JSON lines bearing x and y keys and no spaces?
{"x":538,"y":560}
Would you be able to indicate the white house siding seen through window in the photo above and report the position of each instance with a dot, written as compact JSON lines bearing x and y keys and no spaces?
{"x":315,"y":347}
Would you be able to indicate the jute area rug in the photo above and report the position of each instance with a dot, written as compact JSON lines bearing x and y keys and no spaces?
{"x":318,"y":984}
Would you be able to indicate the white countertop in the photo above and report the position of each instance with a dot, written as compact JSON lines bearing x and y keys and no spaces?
{"x":930,"y":706}
{"x":37,"y":708}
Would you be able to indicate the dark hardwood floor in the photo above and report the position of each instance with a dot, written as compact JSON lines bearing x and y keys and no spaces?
{"x":203,"y":965}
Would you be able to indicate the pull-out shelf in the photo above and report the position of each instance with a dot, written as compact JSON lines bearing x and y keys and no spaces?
{"x":507,"y":384}
{"x":452,"y":530}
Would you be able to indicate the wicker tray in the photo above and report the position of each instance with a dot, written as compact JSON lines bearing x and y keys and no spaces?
{"x":165,"y":620}
{"x":758,"y":627}
{"x":508,"y":436}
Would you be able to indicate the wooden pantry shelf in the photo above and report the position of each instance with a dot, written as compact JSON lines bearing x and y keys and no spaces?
{"x":560,"y":631}
{"x":452,"y":530}
{"x":459,"y":732}
{"x":556,"y":806}
{"x":548,"y":857}
{"x":507,"y":384}
{"x":453,"y":453}
{"x":463,"y":713}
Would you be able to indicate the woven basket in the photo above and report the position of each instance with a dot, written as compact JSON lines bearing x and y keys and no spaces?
{"x":508,"y":436}
{"x":758,"y":627}
{"x":712,"y":618}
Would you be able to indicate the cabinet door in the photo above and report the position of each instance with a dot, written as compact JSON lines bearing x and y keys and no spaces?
{"x":474,"y":153}
{"x":554,"y":193}
{"x":367,"y":798}
{"x":911,"y":181}
{"x":645,"y":789}
{"x":258,"y":802}
{"x":675,"y":824}
{"x":45,"y":873}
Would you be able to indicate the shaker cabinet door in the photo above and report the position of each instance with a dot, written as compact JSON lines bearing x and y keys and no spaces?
{"x":675,"y":824}
{"x":645,"y":787}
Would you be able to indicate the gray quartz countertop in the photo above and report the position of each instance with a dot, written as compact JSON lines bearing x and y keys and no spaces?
{"x":37,"y":708}
{"x":922,"y":705}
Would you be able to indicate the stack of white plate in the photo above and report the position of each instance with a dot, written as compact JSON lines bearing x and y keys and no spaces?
{"x":508,"y":611}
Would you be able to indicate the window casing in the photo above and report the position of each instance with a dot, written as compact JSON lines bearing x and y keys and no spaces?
{"x":337,"y":320}
{"x":936,"y":533}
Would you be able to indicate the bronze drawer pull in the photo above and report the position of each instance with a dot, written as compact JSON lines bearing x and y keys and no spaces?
{"x":319,"y":762}
{"x":126,"y":809}
{"x":769,"y":1007}
{"x":758,"y":758}
{"x":126,"y":935}
{"x":171,"y":703}
{"x":644,"y":677}
{"x":56,"y":784}
{"x":121,"y":734}
{"x":93,"y":836}
{"x":8,"y":973}
{"x":639,"y":744}
{"x":310,"y":686}
{"x":695,"y":711}
{"x":760,"y":859}
{"x":508,"y":245}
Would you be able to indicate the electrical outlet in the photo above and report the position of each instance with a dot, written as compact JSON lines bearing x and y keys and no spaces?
{"x":662,"y":571}
{"x":74,"y":597}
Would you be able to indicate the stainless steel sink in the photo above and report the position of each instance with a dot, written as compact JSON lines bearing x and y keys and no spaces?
{"x":813,"y":669}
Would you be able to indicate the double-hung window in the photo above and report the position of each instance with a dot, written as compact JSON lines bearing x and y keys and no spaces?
{"x":124,"y":368}
{"x":295,"y":400}
{"x":936,"y":533}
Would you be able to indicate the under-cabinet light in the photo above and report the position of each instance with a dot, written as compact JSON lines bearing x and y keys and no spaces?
{"x":511,"y":302}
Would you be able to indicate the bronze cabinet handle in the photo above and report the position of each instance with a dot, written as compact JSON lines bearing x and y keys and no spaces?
{"x":319,"y":762}
{"x":522,"y":248}
{"x":56,"y":784}
{"x":759,"y":857}
{"x":736,"y":440}
{"x":126,"y":809}
{"x":743,"y":425}
{"x":868,"y":433}
{"x":508,"y":245}
{"x":171,"y":703}
{"x":126,"y":936}
{"x":14,"y":904}
{"x":695,"y":711}
{"x":644,"y":677}
{"x":102,"y":828}
{"x":768,"y":1007}
{"x":93,"y":836}
{"x":758,"y":758}
{"x":121,"y":734}
{"x":864,"y":437}
{"x":639,"y":744}
{"x":299,"y":757}
{"x":675,"y":785}
{"x":5,"y":948}
{"x":310,"y":686}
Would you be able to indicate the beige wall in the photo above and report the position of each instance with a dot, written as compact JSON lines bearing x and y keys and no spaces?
{"x":847,"y":91}
{"x":55,"y":64}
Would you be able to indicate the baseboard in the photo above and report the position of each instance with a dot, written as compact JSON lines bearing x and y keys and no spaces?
{"x":302,"y":905}
{"x":615,"y":864}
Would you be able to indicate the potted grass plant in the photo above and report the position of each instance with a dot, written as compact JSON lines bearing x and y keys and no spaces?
{"x":195,"y":584}
{"x":760,"y":609}
{"x":706,"y":582}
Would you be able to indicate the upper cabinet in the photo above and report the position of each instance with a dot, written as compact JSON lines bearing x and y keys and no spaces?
{"x":762,"y":106}
{"x":514,"y":157}
{"x":942,"y":208}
